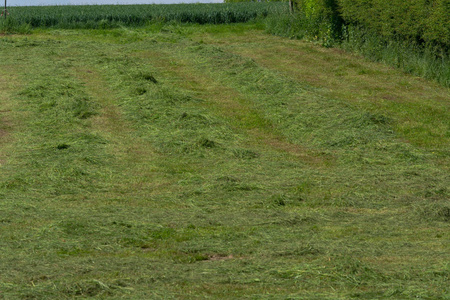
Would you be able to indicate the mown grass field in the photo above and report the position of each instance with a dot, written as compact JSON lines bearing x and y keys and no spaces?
{"x":216,"y":161}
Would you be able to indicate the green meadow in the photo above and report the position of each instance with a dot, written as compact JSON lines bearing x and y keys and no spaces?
{"x":182,"y":161}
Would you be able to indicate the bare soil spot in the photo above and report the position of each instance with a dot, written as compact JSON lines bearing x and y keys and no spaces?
{"x":3,"y":133}
{"x":219,"y":257}
{"x":5,"y":122}
{"x":389,"y":97}
{"x":297,"y":151}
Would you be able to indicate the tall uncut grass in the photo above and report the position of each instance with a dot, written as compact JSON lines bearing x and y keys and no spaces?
{"x":431,"y":62}
{"x":425,"y":60}
{"x":107,"y":16}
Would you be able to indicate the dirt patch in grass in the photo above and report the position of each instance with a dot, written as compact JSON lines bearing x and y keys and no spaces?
{"x":5,"y":125}
{"x":219,"y":257}
{"x":297,"y":151}
{"x":2,"y":133}
{"x":5,"y":111}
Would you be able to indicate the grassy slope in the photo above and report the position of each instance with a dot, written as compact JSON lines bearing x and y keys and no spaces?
{"x":217,"y":161}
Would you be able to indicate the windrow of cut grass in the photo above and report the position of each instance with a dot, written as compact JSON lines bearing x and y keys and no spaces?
{"x":164,"y":162}
{"x":417,"y":110}
{"x":107,"y":16}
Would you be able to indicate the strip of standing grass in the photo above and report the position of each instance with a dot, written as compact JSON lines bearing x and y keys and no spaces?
{"x":23,"y":19}
{"x":430,"y":61}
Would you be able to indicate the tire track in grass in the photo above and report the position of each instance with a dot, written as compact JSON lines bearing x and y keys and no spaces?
{"x":8,"y":83}
{"x":137,"y":171}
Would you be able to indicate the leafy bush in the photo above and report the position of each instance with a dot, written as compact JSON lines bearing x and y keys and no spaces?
{"x":235,"y":1}
{"x":412,"y":35}
{"x":415,"y":20}
{"x":320,"y":20}
{"x":418,"y":21}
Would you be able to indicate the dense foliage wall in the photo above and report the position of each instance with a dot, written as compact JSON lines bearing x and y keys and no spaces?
{"x":413,"y":35}
{"x":422,"y":21}
{"x":419,"y":20}
{"x":322,"y":14}
{"x":234,"y":1}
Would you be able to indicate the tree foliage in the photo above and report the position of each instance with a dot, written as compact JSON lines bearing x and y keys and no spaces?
{"x":234,"y":1}
{"x":421,"y":21}
{"x":418,"y":20}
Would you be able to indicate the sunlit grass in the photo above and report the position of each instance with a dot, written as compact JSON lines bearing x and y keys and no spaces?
{"x":189,"y":162}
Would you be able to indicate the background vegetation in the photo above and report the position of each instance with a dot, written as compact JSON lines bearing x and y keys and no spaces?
{"x":107,"y":16}
{"x":417,"y":21}
{"x":412,"y":35}
{"x":236,"y":1}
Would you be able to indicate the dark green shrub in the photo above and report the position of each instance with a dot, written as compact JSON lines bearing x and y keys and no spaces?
{"x":412,"y":35}
{"x":419,"y":21}
{"x":323,"y":19}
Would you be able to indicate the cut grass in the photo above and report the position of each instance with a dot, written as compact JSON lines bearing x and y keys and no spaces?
{"x":417,"y":108}
{"x":191,"y":162}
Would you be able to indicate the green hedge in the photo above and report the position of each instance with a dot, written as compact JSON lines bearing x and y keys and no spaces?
{"x":422,"y":21}
{"x":324,"y":15}
{"x":418,"y":20}
{"x":235,"y":1}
